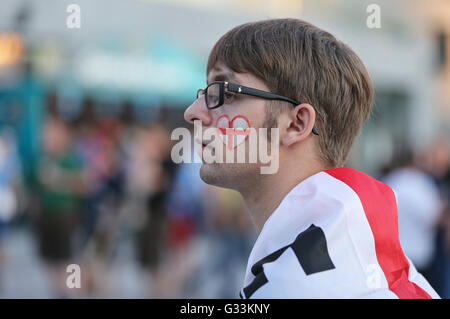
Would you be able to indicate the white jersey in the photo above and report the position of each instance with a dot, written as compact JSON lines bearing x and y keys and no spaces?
{"x":334,"y":235}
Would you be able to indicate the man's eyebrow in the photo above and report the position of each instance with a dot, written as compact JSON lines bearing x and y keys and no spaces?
{"x":225,"y":76}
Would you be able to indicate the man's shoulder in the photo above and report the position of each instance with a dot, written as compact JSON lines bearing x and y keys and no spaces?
{"x":340,"y":188}
{"x":364,"y":190}
{"x":349,"y":177}
{"x":356,"y":179}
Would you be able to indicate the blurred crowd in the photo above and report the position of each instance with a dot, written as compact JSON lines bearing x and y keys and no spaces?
{"x":102,"y":179}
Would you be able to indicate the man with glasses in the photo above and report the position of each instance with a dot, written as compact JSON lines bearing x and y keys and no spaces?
{"x":325,"y":230}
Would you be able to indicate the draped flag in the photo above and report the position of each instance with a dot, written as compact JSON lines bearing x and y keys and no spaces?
{"x":334,"y":235}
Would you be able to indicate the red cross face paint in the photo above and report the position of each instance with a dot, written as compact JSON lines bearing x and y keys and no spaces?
{"x":233,"y":132}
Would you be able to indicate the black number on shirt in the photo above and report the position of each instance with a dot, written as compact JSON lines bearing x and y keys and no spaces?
{"x":311,"y":250}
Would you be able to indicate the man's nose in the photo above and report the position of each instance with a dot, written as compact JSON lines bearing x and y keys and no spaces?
{"x":198,"y":111}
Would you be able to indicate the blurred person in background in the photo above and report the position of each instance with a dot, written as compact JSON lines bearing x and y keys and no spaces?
{"x":60,"y":186}
{"x":232,"y":235}
{"x":187,"y":239}
{"x":10,"y":183}
{"x":149,"y":172}
{"x":419,"y":209}
{"x":88,"y":147}
{"x":436,"y":161}
{"x":97,"y":141}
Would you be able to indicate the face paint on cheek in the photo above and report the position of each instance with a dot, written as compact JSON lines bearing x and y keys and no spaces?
{"x":233,"y":132}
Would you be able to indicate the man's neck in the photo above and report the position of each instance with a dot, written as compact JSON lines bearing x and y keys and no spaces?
{"x":263,"y":200}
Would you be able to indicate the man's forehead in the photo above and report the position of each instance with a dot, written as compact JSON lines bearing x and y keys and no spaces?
{"x":221,"y":72}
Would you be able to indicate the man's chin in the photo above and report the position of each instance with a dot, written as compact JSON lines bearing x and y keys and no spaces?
{"x":211,"y":174}
{"x":232,"y":176}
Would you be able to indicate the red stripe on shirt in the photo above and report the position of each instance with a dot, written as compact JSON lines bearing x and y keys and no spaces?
{"x":380,"y":207}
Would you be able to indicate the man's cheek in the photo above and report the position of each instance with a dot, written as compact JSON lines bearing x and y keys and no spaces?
{"x":233,"y":131}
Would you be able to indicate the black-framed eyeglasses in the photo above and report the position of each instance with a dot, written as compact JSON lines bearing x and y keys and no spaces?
{"x":218,"y":93}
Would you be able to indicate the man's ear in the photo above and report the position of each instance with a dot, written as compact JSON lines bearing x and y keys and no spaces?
{"x":299,"y":123}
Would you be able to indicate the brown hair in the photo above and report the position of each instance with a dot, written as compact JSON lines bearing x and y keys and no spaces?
{"x":300,"y":61}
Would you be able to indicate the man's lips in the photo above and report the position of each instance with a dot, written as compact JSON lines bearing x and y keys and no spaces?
{"x":202,"y":143}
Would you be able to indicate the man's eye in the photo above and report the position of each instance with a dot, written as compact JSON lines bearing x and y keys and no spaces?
{"x":229,"y":97}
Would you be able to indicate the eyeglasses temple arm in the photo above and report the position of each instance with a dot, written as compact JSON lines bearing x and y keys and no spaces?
{"x":263,"y":94}
{"x":259,"y":93}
